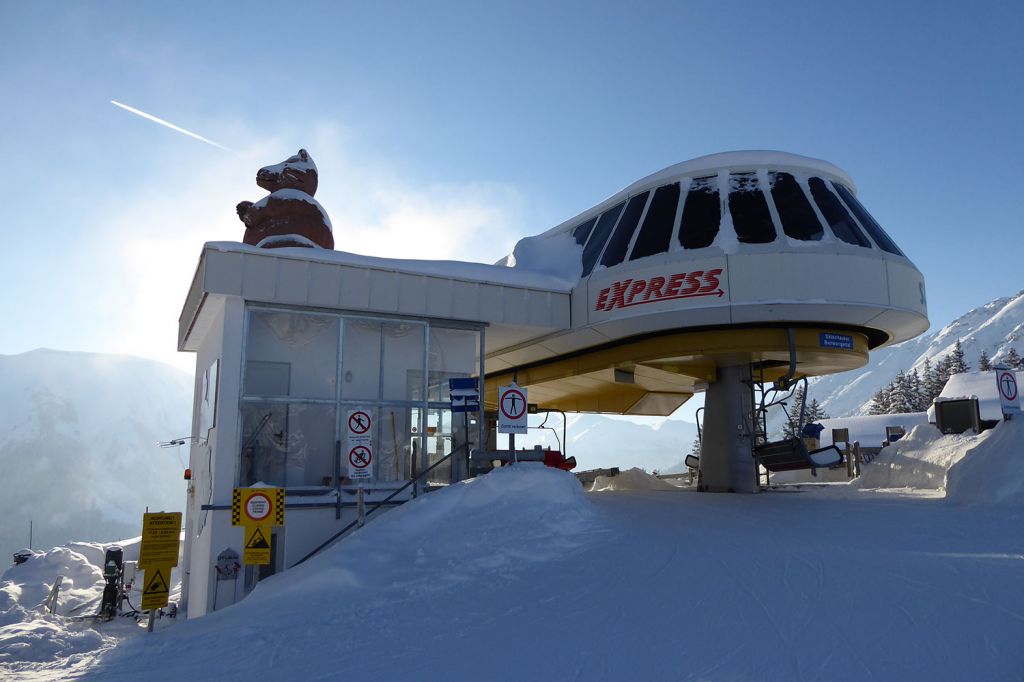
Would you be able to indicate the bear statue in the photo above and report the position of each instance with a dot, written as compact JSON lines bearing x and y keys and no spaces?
{"x":289,"y":215}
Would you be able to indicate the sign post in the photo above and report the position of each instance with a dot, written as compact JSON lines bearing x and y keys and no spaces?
{"x":360,"y":446}
{"x":158,"y":554}
{"x":257,"y":510}
{"x":465,"y":398}
{"x":512,"y":408}
{"x":1009,"y":396}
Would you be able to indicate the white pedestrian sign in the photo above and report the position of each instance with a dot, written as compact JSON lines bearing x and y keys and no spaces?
{"x":512,"y":404}
{"x":1009,"y":396}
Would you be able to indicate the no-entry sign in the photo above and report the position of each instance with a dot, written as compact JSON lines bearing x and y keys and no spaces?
{"x":512,"y":406}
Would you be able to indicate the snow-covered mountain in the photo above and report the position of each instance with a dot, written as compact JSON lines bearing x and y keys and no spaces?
{"x":995,"y":327}
{"x":78,"y":445}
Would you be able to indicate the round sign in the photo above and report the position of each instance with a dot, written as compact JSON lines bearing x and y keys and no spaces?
{"x":513,"y":403}
{"x":360,"y":457}
{"x":1007,"y":385}
{"x":258,"y":507}
{"x":359,"y":422}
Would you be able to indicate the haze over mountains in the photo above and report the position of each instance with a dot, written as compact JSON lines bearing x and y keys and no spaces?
{"x":78,"y":445}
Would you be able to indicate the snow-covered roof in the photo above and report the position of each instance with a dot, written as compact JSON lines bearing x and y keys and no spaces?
{"x":979,"y":384}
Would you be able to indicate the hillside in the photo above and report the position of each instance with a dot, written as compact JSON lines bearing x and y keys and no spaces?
{"x":995,"y":327}
{"x":78,"y":445}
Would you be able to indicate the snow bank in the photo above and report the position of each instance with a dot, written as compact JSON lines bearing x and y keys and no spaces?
{"x":490,"y":525}
{"x":992,"y":472}
{"x":633,"y":479}
{"x":27,"y":632}
{"x":869,"y":430}
{"x":919,"y":460}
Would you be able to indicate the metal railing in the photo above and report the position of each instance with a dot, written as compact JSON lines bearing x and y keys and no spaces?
{"x":378,"y":505}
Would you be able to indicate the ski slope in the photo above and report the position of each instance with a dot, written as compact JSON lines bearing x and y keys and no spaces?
{"x":521,"y":575}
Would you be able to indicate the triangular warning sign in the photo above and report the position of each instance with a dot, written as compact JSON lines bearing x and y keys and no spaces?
{"x":258,"y":540}
{"x":157,"y":583}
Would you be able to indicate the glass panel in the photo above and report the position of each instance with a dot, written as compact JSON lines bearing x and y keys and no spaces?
{"x":583,"y":231}
{"x":403,"y":357}
{"x":452,"y":355}
{"x":439,"y":444}
{"x":287,"y":445}
{"x":604,"y":227}
{"x":291,"y":354}
{"x":836,"y":215}
{"x":749,"y":209}
{"x":799,"y":220}
{"x":656,"y":232}
{"x":702,"y":214}
{"x":619,"y":242}
{"x":360,"y":362}
{"x":395,"y":442}
{"x":867,"y":221}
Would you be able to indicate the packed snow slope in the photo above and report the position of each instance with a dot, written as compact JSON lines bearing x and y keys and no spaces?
{"x":78,"y":445}
{"x":519,"y":575}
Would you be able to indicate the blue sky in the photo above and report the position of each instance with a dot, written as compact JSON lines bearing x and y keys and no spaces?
{"x":448,"y":130}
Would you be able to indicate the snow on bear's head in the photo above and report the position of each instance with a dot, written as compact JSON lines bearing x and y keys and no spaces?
{"x":295,"y":172}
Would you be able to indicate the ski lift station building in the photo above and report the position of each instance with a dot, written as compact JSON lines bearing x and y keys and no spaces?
{"x":702,"y":277}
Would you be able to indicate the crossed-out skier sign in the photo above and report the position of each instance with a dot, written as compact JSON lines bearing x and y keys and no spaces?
{"x":257,"y":510}
{"x":360,"y":445}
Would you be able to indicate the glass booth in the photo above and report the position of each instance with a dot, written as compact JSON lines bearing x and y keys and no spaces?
{"x":307,"y":372}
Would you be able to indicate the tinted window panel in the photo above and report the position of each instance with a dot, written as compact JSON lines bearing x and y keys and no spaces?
{"x":583,"y":231}
{"x":592,"y":250}
{"x":749,"y":209}
{"x":702,"y":214}
{"x":619,"y":242}
{"x":798,"y":218}
{"x":656,"y":232}
{"x":868,"y":222}
{"x":836,"y":215}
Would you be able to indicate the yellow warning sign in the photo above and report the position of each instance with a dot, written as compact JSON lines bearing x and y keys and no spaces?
{"x":257,"y":546}
{"x":160,"y":539}
{"x":257,"y":507}
{"x":155,"y":588}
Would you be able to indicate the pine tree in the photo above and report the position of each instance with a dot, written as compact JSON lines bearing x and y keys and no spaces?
{"x":941,"y":375}
{"x":957,"y":363}
{"x":815,"y":412}
{"x":983,"y":362}
{"x":695,"y":448}
{"x":793,"y":425}
{"x":930,"y":387}
{"x":1013,"y":360}
{"x":917,"y":390}
{"x":879,"y":402}
{"x":901,"y":399}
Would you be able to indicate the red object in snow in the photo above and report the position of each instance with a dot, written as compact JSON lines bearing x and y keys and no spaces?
{"x":556,"y":460}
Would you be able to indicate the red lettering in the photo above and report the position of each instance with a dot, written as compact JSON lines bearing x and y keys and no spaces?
{"x":619,"y":294}
{"x":602,"y":299}
{"x":638,"y":286}
{"x":711,"y":277}
{"x":654,"y":288}
{"x":673,"y":284}
{"x":692,"y":283}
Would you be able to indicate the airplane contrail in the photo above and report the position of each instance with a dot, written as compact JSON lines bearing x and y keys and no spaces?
{"x":162,"y":122}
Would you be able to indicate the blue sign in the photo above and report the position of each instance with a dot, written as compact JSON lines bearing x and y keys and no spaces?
{"x":465,"y":394}
{"x":826,"y":340}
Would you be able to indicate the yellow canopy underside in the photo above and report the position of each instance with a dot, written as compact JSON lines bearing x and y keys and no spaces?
{"x":655,"y":375}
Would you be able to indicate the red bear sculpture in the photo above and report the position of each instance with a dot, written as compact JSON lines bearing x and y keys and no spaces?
{"x":289,"y":215}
